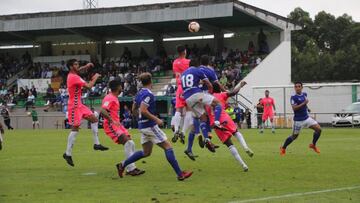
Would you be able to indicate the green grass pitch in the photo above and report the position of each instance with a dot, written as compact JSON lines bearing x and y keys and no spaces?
{"x":32,"y":170}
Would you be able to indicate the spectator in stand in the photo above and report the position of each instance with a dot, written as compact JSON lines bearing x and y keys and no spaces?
{"x":251,"y":48}
{"x":143,"y":55}
{"x":170,"y":90}
{"x":3,"y":91}
{"x":223,"y":80}
{"x":195,"y":50}
{"x":224,"y":54}
{"x":22,"y":94}
{"x":206,"y":50}
{"x":30,"y":101}
{"x":262,"y":43}
{"x":33,"y":91}
{"x":126,"y":54}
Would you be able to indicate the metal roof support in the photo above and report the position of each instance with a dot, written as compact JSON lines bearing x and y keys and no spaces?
{"x":84,"y":34}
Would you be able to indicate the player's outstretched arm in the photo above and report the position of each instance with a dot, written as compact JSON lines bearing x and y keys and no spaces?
{"x":237,"y":89}
{"x":145,"y":112}
{"x":93,"y":81}
{"x":87,"y":66}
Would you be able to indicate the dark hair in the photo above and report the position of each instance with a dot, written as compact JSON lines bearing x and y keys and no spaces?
{"x":194,"y":62}
{"x":267,"y":91}
{"x":204,"y":60}
{"x":70,"y":62}
{"x":216,"y":88}
{"x":298,"y":82}
{"x":114,"y":85}
{"x":180,"y":49}
{"x":145,"y":78}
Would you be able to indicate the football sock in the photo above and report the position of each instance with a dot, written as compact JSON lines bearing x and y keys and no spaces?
{"x":133,"y":158}
{"x":169,"y":153}
{"x":177,"y":120}
{"x":316,"y":137}
{"x":71,"y":141}
{"x":188,"y":121}
{"x":129,"y":148}
{"x":95,"y":131}
{"x":217,"y":112}
{"x":236,"y":155}
{"x":288,"y":141}
{"x":241,"y":139}
{"x":204,"y":129}
{"x":1,"y":138}
{"x":190,"y":141}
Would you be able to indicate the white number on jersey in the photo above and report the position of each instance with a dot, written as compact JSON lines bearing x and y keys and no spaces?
{"x":187,"y":80}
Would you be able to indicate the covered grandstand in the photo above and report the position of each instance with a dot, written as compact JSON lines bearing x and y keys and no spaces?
{"x":102,"y":34}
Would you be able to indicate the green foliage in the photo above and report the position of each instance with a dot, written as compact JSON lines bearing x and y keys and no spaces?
{"x":32,"y":170}
{"x":326,"y":49}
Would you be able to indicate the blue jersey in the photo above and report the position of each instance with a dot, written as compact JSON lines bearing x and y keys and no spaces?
{"x":145,"y":96}
{"x":302,"y":113}
{"x":190,"y":81}
{"x":210,"y":74}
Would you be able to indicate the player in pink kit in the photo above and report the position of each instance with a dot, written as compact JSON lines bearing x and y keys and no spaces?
{"x":269,"y":111}
{"x":110,"y":110}
{"x":179,"y":66}
{"x":229,"y":127}
{"x":77,"y":110}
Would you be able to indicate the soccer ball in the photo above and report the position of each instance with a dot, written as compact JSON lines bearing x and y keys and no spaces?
{"x":194,"y":27}
{"x":28,"y":113}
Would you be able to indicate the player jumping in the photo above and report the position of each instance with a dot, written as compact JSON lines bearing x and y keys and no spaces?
{"x":229,"y":127}
{"x":77,"y":110}
{"x":150,"y":131}
{"x":110,"y":111}
{"x":179,"y":66}
{"x":302,"y":119}
{"x":269,"y":111}
{"x":196,"y":99}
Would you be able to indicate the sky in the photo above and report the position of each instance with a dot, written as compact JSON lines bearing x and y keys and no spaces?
{"x":281,"y":7}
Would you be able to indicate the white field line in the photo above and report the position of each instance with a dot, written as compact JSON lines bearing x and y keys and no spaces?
{"x":296,"y":194}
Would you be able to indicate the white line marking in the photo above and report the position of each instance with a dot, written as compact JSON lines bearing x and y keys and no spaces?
{"x":297,"y":194}
{"x":89,"y":174}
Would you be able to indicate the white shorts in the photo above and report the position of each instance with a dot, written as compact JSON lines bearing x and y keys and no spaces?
{"x":35,"y":122}
{"x":198,"y":101}
{"x":298,"y":125}
{"x":172,"y":121}
{"x":152,"y":134}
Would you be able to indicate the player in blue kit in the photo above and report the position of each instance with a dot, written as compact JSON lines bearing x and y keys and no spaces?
{"x":150,"y":131}
{"x":196,"y":99}
{"x":302,"y":119}
{"x":212,"y":77}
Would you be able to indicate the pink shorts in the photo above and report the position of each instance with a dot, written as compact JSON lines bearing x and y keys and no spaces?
{"x":76,"y":114}
{"x":114,"y":132}
{"x":180,"y":101}
{"x":266,"y":116}
{"x":230,"y":129}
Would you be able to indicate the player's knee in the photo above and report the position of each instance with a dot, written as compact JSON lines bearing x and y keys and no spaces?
{"x":147,"y":153}
{"x":294,"y":137}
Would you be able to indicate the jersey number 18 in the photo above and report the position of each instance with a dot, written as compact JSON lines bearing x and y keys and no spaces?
{"x":187,"y":80}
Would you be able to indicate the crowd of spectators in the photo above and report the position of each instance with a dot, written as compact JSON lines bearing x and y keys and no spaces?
{"x":231,"y":65}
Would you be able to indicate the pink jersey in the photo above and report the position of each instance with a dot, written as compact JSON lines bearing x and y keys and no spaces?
{"x":222,"y":97}
{"x":112,"y":105}
{"x":268,"y":103}
{"x":74,"y":85}
{"x":179,"y":66}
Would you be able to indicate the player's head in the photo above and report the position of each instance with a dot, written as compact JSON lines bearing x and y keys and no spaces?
{"x":298,"y":86}
{"x":145,"y":79}
{"x":194,"y":62}
{"x":115,"y":86}
{"x":92,"y":109}
{"x":73,"y":65}
{"x":267,"y":92}
{"x":181,"y":50}
{"x":204,"y":60}
{"x":216,"y":88}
